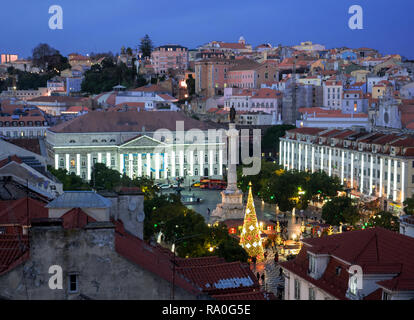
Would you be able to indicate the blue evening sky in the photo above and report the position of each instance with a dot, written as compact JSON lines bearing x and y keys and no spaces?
{"x":101,"y":25}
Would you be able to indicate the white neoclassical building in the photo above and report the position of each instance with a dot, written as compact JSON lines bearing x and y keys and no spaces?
{"x":372,"y":164}
{"x":130,"y":142}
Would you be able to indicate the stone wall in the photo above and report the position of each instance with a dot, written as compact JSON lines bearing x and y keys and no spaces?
{"x":102,"y":273}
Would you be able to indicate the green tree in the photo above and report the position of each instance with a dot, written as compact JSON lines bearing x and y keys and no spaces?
{"x":166,"y":214}
{"x":71,"y":182}
{"x":103,"y":77}
{"x":48,"y":58}
{"x":270,"y":139}
{"x":104,"y":178}
{"x":340,"y":209}
{"x":386,"y":220}
{"x":146,"y":46}
{"x":409,"y":206}
{"x":190,"y":85}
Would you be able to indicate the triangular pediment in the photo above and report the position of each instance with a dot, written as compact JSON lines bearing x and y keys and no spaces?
{"x":141,"y":141}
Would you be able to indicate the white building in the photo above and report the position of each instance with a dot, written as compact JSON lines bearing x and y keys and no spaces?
{"x":407,"y":226}
{"x":155,"y":98}
{"x":331,"y":119}
{"x":126,"y":141}
{"x":372,"y":165}
{"x":253,"y":100}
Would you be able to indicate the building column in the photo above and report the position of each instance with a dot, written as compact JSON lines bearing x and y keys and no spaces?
{"x":165,"y":165}
{"x":300,"y":157}
{"x":352,"y":170}
{"x":88,"y":163}
{"x":172,"y":164}
{"x":148,"y":164}
{"x":381,"y":177}
{"x":280,"y":152}
{"x":389,"y":179}
{"x":181,"y":163}
{"x":306,"y":157}
{"x":67,"y":162}
{"x":221,"y":162}
{"x":402,"y":181}
{"x":108,"y":159}
{"x":157,"y":166}
{"x":394,"y":192}
{"x":99,"y":157}
{"x":121,"y":163}
{"x":288,"y":156}
{"x":191,"y":160}
{"x":342,"y":167}
{"x":284,"y":155}
{"x":139,"y":165}
{"x":313,"y":159}
{"x":78,"y":164}
{"x":201,"y":162}
{"x":56,"y":161}
{"x":330,"y":162}
{"x":293,"y":156}
{"x":130,"y":163}
{"x":322,"y":158}
{"x":371,"y":177}
{"x":361,"y":187}
{"x":211,"y":162}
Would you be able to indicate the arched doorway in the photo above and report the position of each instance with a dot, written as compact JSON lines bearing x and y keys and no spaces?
{"x":206,"y":172}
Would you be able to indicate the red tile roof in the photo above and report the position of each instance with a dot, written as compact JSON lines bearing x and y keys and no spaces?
{"x":246,"y":296}
{"x":9,"y":159}
{"x":14,"y":250}
{"x":129,"y":121}
{"x":21,"y":211}
{"x":222,"y":278}
{"x":377,"y":251}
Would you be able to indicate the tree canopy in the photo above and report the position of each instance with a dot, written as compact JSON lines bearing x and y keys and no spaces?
{"x":49,"y":59}
{"x":409,"y":206}
{"x":186,"y":228}
{"x":71,"y":182}
{"x":385,"y":220}
{"x":103,"y":77}
{"x":289,"y":189}
{"x":270,"y":140}
{"x":340,"y":209}
{"x":146,"y":46}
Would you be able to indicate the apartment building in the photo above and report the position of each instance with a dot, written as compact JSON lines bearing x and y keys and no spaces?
{"x":332,"y":94}
{"x":372,"y":264}
{"x":169,"y":57}
{"x":370,"y":165}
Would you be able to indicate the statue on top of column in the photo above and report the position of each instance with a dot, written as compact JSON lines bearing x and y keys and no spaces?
{"x":232,"y":114}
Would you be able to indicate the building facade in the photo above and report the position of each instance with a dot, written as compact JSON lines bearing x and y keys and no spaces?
{"x":372,"y":264}
{"x":371,"y":165}
{"x":127,"y":142}
{"x":169,"y":57}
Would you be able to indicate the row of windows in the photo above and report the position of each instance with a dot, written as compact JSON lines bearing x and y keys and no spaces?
{"x":23,"y":123}
{"x":29,"y":133}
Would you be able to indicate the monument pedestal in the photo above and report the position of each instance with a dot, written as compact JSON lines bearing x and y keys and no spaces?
{"x":231,"y":206}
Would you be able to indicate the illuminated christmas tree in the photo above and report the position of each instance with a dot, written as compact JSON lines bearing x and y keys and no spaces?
{"x":250,"y":238}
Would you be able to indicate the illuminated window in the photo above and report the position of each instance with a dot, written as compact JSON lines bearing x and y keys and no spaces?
{"x":72,"y":162}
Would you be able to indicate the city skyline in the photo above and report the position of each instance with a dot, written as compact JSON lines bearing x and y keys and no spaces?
{"x":93,"y":26}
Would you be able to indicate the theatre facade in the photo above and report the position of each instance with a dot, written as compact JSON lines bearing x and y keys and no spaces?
{"x":130,"y":142}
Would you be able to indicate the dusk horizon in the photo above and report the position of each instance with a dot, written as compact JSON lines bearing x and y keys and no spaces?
{"x":92,"y":26}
